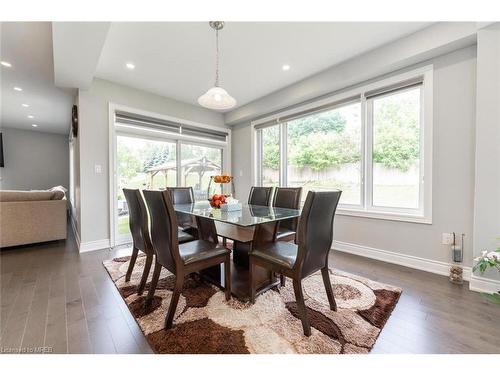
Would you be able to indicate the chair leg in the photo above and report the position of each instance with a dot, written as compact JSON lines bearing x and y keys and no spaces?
{"x":227,"y":277}
{"x":224,"y":241}
{"x":179,"y":281}
{"x":154,"y":282}
{"x":133,"y":258}
{"x":145,"y":274}
{"x":282,"y":280}
{"x":251,"y":282}
{"x":297,"y":288}
{"x":329,"y":289}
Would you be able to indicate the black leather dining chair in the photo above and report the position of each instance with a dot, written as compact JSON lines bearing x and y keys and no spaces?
{"x":286,"y":197}
{"x":184,"y":195}
{"x":138,"y":223}
{"x":260,"y":195}
{"x":310,"y":254}
{"x":179,"y":259}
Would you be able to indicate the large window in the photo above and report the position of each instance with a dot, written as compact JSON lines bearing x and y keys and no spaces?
{"x":270,"y":156}
{"x":396,"y":149}
{"x":370,"y":143}
{"x":324,"y":152}
{"x":156,"y":152}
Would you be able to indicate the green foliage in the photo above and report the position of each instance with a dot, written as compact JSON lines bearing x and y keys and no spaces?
{"x":483,"y":262}
{"x":128,"y":163}
{"x":396,"y":148}
{"x":322,"y":123}
{"x":493,"y":298}
{"x":323,"y":140}
{"x":487,"y":260}
{"x":396,"y":132}
{"x":271,"y":148}
{"x":316,"y":141}
{"x":155,"y":154}
{"x":322,"y":151}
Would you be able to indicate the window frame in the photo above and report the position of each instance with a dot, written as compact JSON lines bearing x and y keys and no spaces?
{"x":116,"y":129}
{"x":366,"y":209}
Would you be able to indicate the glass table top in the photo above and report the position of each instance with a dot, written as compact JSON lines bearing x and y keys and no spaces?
{"x":248,"y":216}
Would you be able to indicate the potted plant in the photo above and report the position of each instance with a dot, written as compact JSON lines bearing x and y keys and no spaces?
{"x":483,"y":262}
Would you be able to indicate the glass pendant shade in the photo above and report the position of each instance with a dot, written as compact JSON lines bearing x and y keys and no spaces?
{"x":217,"y":98}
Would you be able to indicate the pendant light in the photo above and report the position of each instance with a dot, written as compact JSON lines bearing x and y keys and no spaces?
{"x":217,"y":98}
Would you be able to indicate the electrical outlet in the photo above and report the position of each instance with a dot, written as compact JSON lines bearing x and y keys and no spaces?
{"x":447,"y":238}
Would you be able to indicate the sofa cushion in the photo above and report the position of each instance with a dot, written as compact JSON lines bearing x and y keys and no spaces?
{"x":24,"y":196}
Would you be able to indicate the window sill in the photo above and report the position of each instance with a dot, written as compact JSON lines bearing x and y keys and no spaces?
{"x":392,"y":216}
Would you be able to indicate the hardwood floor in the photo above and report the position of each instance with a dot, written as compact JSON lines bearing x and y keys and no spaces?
{"x":52,"y":296}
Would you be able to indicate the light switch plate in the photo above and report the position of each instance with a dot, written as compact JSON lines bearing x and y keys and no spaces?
{"x":98,"y":168}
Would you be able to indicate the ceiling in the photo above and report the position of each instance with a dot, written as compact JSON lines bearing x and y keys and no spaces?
{"x":28,"y":47}
{"x":177,"y":59}
{"x":172,"y":59}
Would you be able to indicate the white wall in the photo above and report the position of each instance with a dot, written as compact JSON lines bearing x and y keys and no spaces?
{"x":453,"y":169}
{"x":436,"y":40}
{"x":94,"y":144}
{"x":34,"y":160}
{"x":487,"y":194}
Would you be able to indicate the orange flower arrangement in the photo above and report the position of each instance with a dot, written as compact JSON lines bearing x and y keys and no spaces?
{"x":217,"y":200}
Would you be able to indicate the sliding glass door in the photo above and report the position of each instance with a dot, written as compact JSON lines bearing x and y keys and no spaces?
{"x":146,"y":158}
{"x":141,"y":164}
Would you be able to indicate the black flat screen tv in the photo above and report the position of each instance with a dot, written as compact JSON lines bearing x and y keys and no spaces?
{"x":1,"y":150}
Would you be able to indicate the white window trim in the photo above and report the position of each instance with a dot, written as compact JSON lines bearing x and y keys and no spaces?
{"x":154,"y":134}
{"x":366,"y":210}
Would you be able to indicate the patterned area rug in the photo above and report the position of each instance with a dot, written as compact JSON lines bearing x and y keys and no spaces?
{"x":206,"y":323}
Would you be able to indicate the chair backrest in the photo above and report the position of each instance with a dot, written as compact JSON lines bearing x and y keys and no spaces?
{"x":182,"y":195}
{"x":260,"y":195}
{"x":315,"y":231}
{"x":163,"y":229}
{"x":138,"y":220}
{"x":285,"y":197}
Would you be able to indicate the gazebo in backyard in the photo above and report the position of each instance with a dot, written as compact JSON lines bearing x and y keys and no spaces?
{"x":200,"y":166}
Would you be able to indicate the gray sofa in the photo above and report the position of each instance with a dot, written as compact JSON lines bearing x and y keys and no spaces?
{"x":32,"y":216}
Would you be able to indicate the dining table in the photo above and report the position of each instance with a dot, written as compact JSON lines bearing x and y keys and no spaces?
{"x":250,"y":226}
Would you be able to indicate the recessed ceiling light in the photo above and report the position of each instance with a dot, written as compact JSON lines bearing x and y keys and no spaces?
{"x":25,"y":105}
{"x":285,"y":67}
{"x":31,"y":116}
{"x":18,"y":88}
{"x":130,"y":66}
{"x":34,"y":125}
{"x":5,"y":63}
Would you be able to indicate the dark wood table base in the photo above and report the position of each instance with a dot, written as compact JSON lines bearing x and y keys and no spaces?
{"x":240,"y":280}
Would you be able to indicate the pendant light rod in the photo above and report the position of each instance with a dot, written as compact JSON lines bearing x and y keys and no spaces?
{"x":216,"y":58}
{"x":216,"y":25}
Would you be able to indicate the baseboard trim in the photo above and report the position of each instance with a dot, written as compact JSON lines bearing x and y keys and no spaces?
{"x":433,"y":266}
{"x":94,"y":245}
{"x":482,"y":284}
